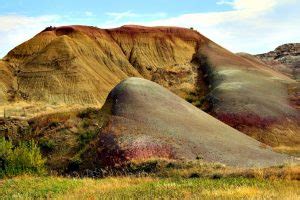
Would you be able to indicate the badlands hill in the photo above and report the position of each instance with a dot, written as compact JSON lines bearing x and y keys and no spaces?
{"x":77,"y":64}
{"x":145,"y":120}
{"x":80,"y":65}
{"x":139,"y":122}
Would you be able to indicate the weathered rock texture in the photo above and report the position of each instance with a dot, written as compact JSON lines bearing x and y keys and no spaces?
{"x":77,"y":64}
{"x":80,"y":65}
{"x":285,"y":58}
{"x":145,"y":120}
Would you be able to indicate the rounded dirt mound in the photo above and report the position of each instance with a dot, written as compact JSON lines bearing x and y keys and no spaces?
{"x":146,"y":120}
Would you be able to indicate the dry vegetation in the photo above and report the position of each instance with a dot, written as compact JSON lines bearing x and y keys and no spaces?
{"x":295,"y":151}
{"x":176,"y":181}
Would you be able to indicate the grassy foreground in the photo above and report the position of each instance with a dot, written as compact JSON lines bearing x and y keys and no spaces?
{"x":50,"y":187}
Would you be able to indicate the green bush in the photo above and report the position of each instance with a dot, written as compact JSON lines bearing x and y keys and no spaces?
{"x":86,"y":136}
{"x":85,"y":123}
{"x":46,"y":145}
{"x":22,"y":158}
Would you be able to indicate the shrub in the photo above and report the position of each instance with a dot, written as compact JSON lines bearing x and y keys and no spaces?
{"x":5,"y":152}
{"x":74,"y":164}
{"x":189,"y":99}
{"x":87,"y":113}
{"x":54,"y":124}
{"x":85,"y":123}
{"x":46,"y":145}
{"x":149,"y":166}
{"x":22,"y":158}
{"x":86,"y":137}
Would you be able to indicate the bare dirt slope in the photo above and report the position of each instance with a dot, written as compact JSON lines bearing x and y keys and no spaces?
{"x":6,"y":83}
{"x":80,"y":65}
{"x":251,"y":97}
{"x":146,"y":121}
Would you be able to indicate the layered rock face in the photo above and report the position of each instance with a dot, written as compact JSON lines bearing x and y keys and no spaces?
{"x":77,"y":64}
{"x":80,"y":65}
{"x":285,"y":58}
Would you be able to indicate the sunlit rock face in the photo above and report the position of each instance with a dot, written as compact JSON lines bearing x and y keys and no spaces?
{"x":73,"y":65}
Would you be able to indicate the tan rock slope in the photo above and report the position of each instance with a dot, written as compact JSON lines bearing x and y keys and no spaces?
{"x":6,"y":83}
{"x":146,"y":121}
{"x":80,"y":65}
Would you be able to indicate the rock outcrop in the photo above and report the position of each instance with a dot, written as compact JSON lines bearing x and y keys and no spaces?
{"x":285,"y":58}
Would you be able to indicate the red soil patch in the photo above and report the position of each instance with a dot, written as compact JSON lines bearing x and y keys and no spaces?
{"x":64,"y":30}
{"x":295,"y":100}
{"x":246,"y":119}
{"x":183,"y":33}
{"x":132,"y":31}
{"x":137,"y":152}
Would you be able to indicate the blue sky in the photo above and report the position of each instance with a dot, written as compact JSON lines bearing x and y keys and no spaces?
{"x":99,"y":8}
{"x":253,"y":26}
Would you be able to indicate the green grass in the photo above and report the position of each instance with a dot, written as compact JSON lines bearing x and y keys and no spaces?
{"x":27,"y":187}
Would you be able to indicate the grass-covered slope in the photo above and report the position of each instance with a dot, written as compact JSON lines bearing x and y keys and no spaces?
{"x":146,"y":121}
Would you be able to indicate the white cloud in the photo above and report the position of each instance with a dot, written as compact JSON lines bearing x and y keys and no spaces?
{"x":89,"y":14}
{"x":15,"y":29}
{"x":10,"y":22}
{"x":259,"y":5}
{"x":223,"y":2}
{"x":242,"y":10}
{"x":251,"y":26}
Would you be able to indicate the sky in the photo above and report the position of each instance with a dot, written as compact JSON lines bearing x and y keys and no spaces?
{"x":253,"y":26}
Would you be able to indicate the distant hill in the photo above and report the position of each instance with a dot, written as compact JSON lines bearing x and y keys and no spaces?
{"x":80,"y":65}
{"x":285,"y":58}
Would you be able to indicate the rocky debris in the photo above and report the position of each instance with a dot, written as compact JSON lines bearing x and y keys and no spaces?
{"x":285,"y":58}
